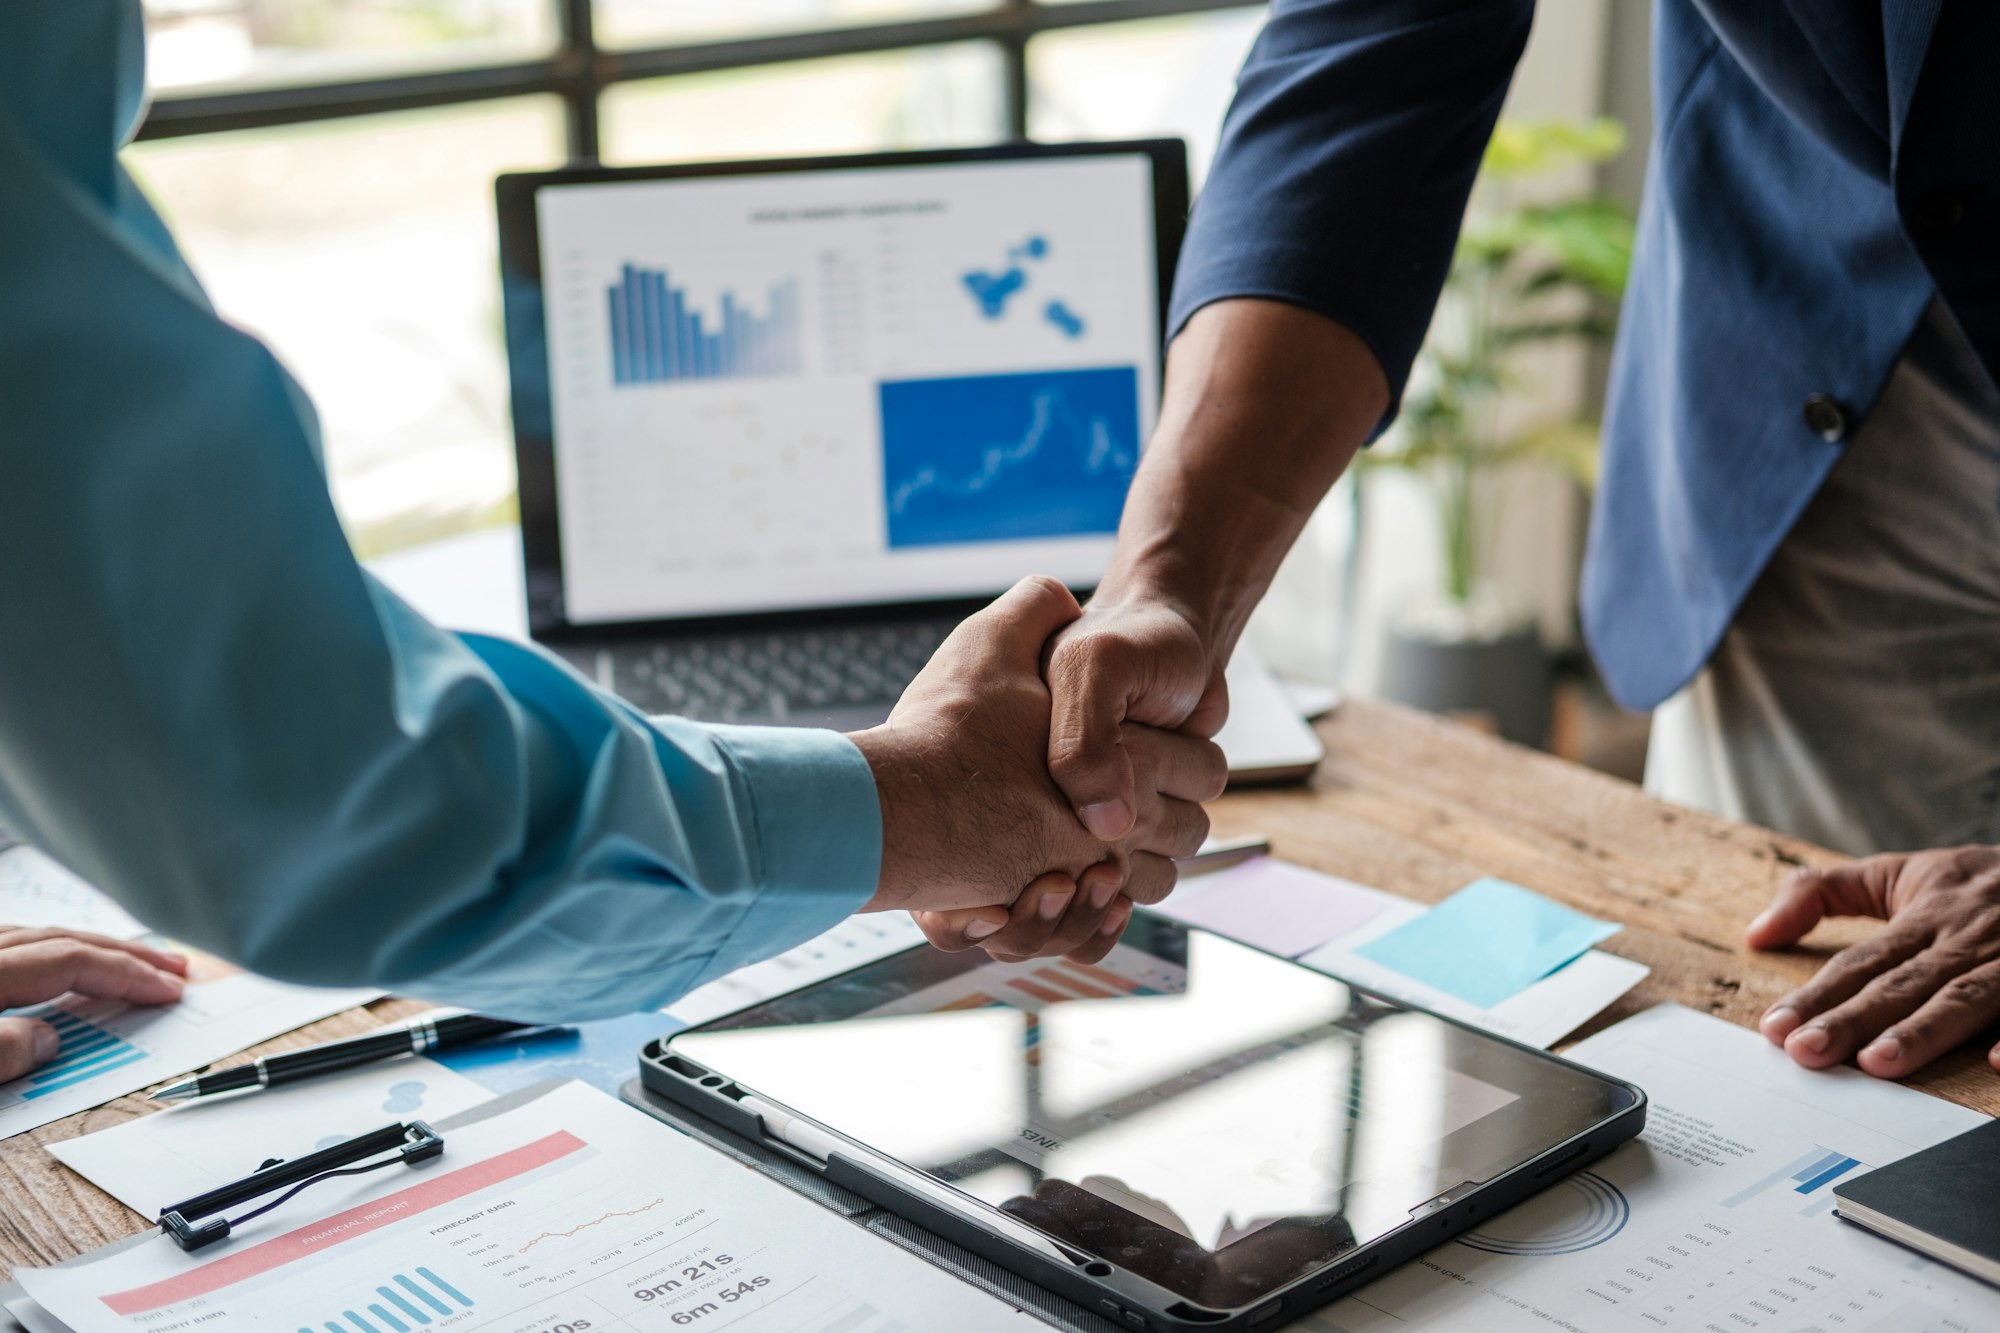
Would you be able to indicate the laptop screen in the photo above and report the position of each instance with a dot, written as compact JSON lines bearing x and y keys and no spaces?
{"x":817,"y":388}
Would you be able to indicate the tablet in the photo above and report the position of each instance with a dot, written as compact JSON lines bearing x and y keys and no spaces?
{"x":1191,"y":1133}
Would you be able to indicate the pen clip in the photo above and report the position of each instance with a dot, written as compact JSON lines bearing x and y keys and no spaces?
{"x":410,"y":1143}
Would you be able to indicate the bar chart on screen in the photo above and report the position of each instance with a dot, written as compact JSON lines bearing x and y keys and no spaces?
{"x":570,"y":1209}
{"x":659,"y":336}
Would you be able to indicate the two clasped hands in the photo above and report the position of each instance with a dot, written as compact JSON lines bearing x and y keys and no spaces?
{"x":1038,"y":779}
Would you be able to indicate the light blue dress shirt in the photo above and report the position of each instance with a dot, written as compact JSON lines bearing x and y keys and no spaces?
{"x":209,"y":710}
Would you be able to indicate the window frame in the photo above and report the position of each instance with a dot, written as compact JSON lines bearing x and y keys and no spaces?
{"x":579,"y":70}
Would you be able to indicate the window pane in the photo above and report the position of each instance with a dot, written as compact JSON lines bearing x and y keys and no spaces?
{"x":1170,"y":76}
{"x":902,"y":99}
{"x":671,"y":22}
{"x":363,"y":251}
{"x":259,"y":43}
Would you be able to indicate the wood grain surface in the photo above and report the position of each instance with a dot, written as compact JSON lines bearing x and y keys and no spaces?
{"x":1405,"y":802}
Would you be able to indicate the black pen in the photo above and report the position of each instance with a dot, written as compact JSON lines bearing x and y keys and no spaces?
{"x":289,"y":1067}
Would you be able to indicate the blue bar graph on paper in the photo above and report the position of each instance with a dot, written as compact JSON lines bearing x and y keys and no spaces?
{"x":657,"y":337}
{"x":401,"y":1305}
{"x":87,"y":1050}
{"x":1808,"y":1174}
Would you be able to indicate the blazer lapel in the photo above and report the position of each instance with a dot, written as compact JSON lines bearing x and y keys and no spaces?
{"x":1906,"y":40}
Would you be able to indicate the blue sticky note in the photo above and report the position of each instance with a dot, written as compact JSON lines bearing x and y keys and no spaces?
{"x":1486,"y":942}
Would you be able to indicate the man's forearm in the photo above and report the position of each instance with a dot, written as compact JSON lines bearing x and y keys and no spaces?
{"x":1265,"y":405}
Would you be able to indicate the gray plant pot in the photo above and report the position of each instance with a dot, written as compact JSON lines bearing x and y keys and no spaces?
{"x":1505,"y":678}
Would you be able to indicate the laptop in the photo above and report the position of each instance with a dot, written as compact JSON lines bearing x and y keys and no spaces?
{"x":781,"y":425}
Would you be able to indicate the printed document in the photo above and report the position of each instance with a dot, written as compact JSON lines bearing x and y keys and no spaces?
{"x":1718,"y":1219}
{"x":573,"y":1210}
{"x":110,"y":1048}
{"x":184,"y":1150}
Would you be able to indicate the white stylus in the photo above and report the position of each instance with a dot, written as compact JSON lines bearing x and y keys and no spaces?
{"x":816,"y":1143}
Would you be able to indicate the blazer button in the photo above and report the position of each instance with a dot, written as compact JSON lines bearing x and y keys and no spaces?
{"x":1826,"y":418}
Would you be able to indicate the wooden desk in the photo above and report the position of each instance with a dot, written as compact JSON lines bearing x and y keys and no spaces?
{"x":1404,"y":802}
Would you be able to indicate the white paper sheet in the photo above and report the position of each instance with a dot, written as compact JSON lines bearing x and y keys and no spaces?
{"x":857,"y":940}
{"x":36,"y":891}
{"x":184,"y":1150}
{"x":111,"y":1049}
{"x":1540,"y":1015}
{"x":571,"y":1209}
{"x":1719,"y":1218}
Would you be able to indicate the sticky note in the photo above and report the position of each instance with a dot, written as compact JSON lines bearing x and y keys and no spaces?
{"x":1275,"y":905}
{"x":1488,"y":941}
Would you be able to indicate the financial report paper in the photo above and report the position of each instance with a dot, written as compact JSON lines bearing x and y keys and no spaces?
{"x":110,"y":1048}
{"x":572,"y":1210}
{"x":1718,"y":1219}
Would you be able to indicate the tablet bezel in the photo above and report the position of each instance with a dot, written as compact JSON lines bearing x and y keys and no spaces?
{"x":1091,"y":1280}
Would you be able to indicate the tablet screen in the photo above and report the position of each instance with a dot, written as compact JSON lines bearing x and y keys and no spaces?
{"x":1208,"y":1116}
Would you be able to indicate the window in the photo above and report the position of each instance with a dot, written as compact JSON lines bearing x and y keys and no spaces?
{"x":327,"y":164}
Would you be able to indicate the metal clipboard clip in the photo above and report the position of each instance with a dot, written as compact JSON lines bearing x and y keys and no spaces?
{"x":410,"y":1143}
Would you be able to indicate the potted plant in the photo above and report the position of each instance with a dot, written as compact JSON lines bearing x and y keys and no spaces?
{"x":1525,"y":275}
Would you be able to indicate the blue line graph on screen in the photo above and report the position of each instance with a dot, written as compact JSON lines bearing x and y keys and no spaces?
{"x":1578,"y":1212}
{"x":1007,"y":457}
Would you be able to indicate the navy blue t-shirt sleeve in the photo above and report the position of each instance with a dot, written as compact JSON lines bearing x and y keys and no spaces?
{"x":1345,"y":163}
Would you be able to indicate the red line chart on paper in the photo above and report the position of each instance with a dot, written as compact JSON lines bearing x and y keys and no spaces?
{"x":597,"y":1221}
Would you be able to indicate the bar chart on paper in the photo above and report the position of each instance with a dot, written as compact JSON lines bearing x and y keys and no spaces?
{"x":399,"y":1304}
{"x":87,"y":1051}
{"x":658,"y":336}
{"x":108,"y":1049}
{"x":571,"y":1210}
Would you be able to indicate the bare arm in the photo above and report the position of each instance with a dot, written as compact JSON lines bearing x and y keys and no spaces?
{"x":1265,"y":406}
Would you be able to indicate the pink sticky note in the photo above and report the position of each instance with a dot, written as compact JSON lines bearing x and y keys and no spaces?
{"x":1274,"y":905}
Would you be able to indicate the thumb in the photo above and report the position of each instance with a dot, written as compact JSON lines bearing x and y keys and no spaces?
{"x":24,"y":1043}
{"x":959,"y":930}
{"x":1858,"y":888}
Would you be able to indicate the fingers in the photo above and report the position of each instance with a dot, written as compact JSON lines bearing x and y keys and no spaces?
{"x":43,"y":968}
{"x":1058,"y":916}
{"x":1190,"y":768}
{"x":955,"y":932}
{"x":165,"y":960}
{"x":1858,"y":888}
{"x":1149,"y":878}
{"x":1105,"y":940}
{"x":1961,"y":1007}
{"x":24,"y":1043}
{"x":1804,"y":1022}
{"x":1090,"y":689}
{"x":1015,"y":628}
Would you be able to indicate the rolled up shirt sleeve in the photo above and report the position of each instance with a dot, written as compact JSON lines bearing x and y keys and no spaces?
{"x":1346,"y":160}
{"x":209,"y":710}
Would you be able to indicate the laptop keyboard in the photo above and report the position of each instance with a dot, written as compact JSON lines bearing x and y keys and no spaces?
{"x":794,"y":674}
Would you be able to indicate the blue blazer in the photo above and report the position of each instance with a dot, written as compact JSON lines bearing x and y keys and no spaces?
{"x":1819,"y":169}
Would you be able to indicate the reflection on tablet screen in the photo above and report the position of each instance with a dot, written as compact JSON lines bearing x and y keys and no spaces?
{"x":1205,"y":1115}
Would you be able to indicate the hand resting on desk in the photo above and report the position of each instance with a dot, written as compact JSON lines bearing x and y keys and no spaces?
{"x":41,"y":964}
{"x":970,"y":813}
{"x":1927,"y":981}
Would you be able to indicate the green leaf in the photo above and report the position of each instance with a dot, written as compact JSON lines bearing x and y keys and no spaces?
{"x":1533,"y":147}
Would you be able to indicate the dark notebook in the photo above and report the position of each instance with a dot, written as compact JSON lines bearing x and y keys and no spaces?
{"x":1943,"y":1201}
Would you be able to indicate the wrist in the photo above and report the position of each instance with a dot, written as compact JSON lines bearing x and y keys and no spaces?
{"x":900,"y":795}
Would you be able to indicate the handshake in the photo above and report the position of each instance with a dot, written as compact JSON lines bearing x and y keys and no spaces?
{"x":1023,"y":810}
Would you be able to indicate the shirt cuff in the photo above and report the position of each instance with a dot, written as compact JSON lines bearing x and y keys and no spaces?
{"x":818,"y":824}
